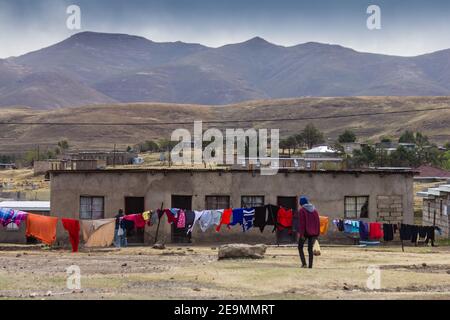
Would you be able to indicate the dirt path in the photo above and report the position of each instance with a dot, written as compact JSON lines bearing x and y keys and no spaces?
{"x":195,"y":273}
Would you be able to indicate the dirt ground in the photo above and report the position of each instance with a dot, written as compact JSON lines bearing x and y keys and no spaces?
{"x":196,"y":273}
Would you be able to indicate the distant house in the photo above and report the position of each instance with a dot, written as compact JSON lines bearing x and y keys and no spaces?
{"x":321,"y":152}
{"x":13,"y":234}
{"x":408,"y":146}
{"x":43,"y":166}
{"x":7,"y":166}
{"x":430,"y":173}
{"x":111,"y":157}
{"x":350,"y":147}
{"x":436,"y":207}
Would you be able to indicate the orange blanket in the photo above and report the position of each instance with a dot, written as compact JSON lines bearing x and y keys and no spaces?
{"x":42,"y":228}
{"x":323,"y":225}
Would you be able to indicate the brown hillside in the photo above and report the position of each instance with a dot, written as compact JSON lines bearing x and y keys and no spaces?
{"x":26,"y":137}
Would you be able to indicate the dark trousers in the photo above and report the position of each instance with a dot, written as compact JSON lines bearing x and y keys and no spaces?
{"x":301,"y":242}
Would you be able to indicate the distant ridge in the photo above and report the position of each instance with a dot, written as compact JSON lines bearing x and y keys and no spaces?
{"x":96,"y":68}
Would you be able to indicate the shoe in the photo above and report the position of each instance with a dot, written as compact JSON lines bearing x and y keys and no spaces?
{"x":304,"y":265}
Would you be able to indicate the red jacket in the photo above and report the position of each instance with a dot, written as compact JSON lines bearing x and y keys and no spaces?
{"x":309,"y":223}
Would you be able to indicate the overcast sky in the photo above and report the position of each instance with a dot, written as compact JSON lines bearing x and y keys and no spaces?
{"x":409,"y":27}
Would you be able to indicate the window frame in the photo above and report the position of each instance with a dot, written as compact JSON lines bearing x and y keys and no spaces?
{"x":217,"y":203}
{"x":91,"y":198}
{"x":356,"y":204}
{"x":253,"y":203}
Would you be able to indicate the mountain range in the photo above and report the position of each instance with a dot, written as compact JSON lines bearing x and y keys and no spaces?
{"x":101,"y":68}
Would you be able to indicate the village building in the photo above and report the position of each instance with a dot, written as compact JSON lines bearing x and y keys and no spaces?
{"x":43,"y":166}
{"x":97,"y":194}
{"x":427,"y":173}
{"x":117,"y":157}
{"x":436,"y":207}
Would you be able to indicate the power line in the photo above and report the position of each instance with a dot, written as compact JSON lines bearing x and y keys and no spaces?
{"x":222,"y":121}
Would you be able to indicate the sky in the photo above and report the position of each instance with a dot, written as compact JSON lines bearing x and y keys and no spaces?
{"x":408,"y":27}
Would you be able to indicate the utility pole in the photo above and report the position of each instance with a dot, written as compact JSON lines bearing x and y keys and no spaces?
{"x":114,"y":156}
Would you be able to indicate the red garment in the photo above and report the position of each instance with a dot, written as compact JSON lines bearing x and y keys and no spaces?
{"x":375,"y":230}
{"x":139,"y":222}
{"x":308,"y":223}
{"x":225,"y":219}
{"x":73,"y":227}
{"x":284,"y":218}
{"x":170,"y":216}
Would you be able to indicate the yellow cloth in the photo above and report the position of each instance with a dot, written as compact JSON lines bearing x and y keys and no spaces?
{"x":323,"y":225}
{"x":146,"y":215}
{"x":98,"y":233}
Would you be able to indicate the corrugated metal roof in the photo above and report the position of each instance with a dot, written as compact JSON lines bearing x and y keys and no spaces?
{"x":26,"y":205}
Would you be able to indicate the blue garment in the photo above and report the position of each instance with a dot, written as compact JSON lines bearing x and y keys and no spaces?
{"x":303,"y":200}
{"x":363,"y":231}
{"x":237,"y":217}
{"x":247,"y":218}
{"x":351,"y":226}
{"x":6,"y":216}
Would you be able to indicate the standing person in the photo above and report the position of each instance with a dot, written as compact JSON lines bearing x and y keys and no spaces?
{"x":120,"y":239}
{"x":308,"y":229}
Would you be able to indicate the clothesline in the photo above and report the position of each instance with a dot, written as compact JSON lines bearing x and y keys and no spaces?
{"x":377,"y":230}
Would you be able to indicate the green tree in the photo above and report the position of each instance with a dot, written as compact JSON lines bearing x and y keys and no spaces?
{"x":447,"y":145}
{"x":402,"y":157}
{"x":149,"y":145}
{"x":407,"y":137}
{"x":166,"y":144}
{"x":347,"y":136}
{"x":63,"y":145}
{"x":312,"y":135}
{"x":446,"y":160}
{"x":283,"y":145}
{"x":367,"y":156}
{"x":300,"y":140}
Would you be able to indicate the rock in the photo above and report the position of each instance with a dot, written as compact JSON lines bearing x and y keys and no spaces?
{"x":213,"y":248}
{"x":424,"y":265}
{"x":196,"y":289}
{"x":48,"y":293}
{"x":18,"y":255}
{"x":159,"y":246}
{"x":448,"y":271}
{"x":124,"y":265}
{"x":346,"y":287}
{"x":33,"y":295}
{"x":237,"y":251}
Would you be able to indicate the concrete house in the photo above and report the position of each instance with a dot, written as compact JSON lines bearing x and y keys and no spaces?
{"x":387,"y":195}
{"x":436,"y":207}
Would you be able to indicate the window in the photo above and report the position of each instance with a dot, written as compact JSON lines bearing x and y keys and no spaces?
{"x":356,"y":207}
{"x":92,"y":208}
{"x":217,"y":202}
{"x":252,"y":201}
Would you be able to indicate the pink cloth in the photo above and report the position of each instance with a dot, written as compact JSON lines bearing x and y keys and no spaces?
{"x":181,"y":223}
{"x":139,"y":222}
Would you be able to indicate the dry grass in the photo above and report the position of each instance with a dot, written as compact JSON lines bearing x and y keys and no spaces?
{"x":433,"y":123}
{"x":195,"y":273}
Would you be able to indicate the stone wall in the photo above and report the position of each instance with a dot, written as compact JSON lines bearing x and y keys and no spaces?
{"x":390,"y":208}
